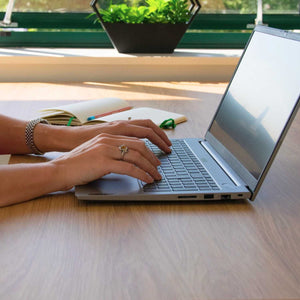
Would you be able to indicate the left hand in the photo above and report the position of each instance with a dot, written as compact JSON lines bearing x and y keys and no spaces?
{"x":134,"y":128}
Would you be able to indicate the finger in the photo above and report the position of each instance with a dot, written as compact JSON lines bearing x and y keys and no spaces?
{"x":140,"y":129}
{"x":148,"y":123}
{"x":138,"y":159}
{"x":150,"y":134}
{"x":132,"y":143}
{"x":126,"y":168}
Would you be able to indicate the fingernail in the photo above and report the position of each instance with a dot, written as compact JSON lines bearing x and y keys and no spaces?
{"x":150,"y":180}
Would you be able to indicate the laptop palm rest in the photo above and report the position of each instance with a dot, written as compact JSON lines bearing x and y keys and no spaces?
{"x":113,"y":184}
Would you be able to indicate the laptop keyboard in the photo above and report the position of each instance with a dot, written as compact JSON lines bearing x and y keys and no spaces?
{"x":180,"y":170}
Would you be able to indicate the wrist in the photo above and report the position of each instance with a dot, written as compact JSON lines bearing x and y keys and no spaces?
{"x":63,"y":177}
{"x":61,"y":138}
{"x":53,"y":138}
{"x":29,"y":135}
{"x":72,"y":137}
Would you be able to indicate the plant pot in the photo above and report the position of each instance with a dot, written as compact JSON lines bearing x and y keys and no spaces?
{"x":146,"y":38}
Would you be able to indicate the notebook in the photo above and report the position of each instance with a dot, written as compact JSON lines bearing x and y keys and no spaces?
{"x":234,"y":157}
{"x":105,"y":110}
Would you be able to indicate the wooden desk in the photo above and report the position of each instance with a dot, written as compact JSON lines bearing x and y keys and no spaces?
{"x":56,"y":247}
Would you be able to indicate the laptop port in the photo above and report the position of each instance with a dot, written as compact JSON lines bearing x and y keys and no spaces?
{"x":209,"y":196}
{"x":225,"y":197}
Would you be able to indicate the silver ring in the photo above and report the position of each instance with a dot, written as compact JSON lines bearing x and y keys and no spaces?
{"x":124,"y":149}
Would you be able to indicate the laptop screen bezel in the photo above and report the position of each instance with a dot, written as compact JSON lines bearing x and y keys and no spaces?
{"x":252,"y":183}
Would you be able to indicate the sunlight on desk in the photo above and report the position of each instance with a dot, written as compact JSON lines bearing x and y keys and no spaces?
{"x":57,"y":247}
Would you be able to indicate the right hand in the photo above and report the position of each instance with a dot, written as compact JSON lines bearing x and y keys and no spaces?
{"x":101,"y":156}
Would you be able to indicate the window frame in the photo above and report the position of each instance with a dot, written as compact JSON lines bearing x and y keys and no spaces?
{"x":46,"y":29}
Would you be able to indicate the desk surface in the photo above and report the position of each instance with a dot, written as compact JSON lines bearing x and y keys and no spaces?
{"x":56,"y":247}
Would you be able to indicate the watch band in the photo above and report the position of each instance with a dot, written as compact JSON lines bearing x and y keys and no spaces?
{"x":29,"y":135}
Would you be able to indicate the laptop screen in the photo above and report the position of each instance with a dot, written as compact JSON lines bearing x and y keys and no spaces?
{"x":259,"y":100}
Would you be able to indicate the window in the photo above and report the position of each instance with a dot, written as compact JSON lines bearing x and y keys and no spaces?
{"x":64,"y":23}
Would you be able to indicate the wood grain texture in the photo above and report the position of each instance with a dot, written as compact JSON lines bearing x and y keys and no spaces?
{"x":56,"y":247}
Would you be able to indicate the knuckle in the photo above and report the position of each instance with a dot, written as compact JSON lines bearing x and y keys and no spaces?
{"x":149,"y":122}
{"x":149,"y":132}
{"x":104,"y":137}
{"x":143,"y":145}
{"x":102,"y":140}
{"x":131,"y":168}
{"x":103,"y":147}
{"x":117,"y":124}
{"x":138,"y":156}
{"x":138,"y":141}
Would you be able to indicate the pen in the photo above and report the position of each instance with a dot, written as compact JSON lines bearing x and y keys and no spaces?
{"x":108,"y":113}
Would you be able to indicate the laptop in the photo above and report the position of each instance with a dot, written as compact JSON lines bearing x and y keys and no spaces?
{"x":245,"y":134}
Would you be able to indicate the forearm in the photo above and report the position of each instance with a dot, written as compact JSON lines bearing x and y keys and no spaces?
{"x":46,"y":137}
{"x":22,"y":182}
{"x":94,"y":159}
{"x":12,"y":136}
{"x":65,"y":138}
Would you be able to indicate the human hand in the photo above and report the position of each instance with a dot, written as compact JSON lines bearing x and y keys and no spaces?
{"x":101,"y":155}
{"x":134,"y":128}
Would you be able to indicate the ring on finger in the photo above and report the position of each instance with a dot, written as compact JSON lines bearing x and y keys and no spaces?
{"x":124,"y":149}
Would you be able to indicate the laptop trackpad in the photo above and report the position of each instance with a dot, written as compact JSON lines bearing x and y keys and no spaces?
{"x":114,"y":184}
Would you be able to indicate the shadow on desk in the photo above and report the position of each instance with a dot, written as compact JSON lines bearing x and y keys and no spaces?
{"x":184,"y":206}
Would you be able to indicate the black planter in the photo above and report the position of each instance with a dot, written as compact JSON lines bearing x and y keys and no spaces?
{"x":146,"y":38}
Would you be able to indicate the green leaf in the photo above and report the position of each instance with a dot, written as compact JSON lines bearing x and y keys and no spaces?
{"x":155,"y":11}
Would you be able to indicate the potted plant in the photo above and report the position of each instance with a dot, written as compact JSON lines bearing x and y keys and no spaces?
{"x":156,"y":27}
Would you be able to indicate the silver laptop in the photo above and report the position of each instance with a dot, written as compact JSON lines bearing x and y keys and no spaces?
{"x":242,"y":140}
